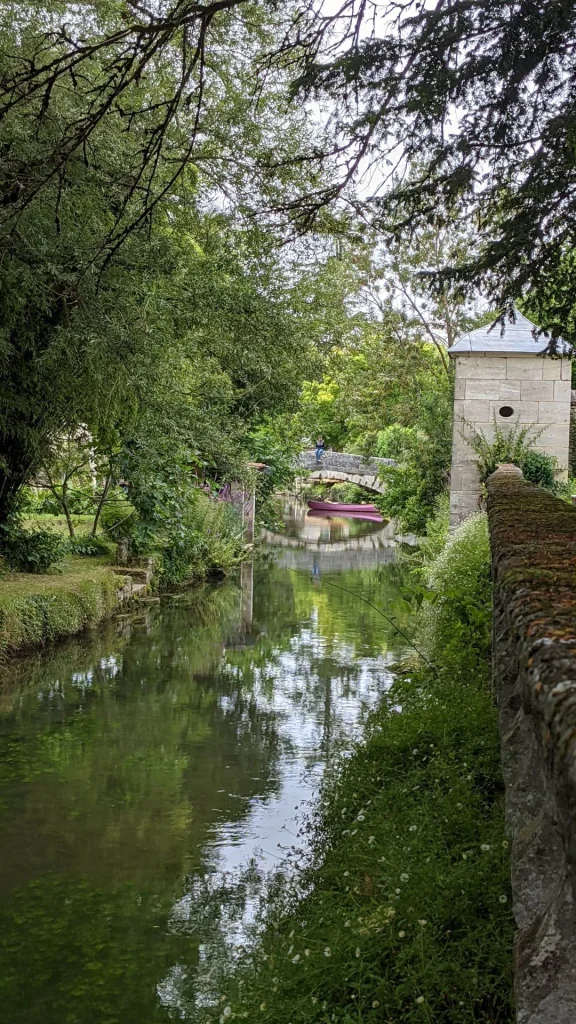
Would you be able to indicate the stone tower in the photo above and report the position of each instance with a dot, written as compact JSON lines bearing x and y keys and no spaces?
{"x":504,"y":379}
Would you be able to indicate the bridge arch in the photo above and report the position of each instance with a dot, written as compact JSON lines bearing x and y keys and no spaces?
{"x":336,"y":467}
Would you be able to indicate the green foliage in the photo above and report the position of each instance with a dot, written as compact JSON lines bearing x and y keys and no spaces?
{"x":322,"y":413}
{"x":181,"y":331}
{"x":33,"y":612}
{"x":540,"y":468}
{"x":455,"y":624}
{"x":31,"y":551}
{"x":423,"y":456}
{"x":208,"y":539}
{"x":117,"y":516}
{"x":401,"y":912}
{"x":276,"y":443}
{"x":90,"y":546}
{"x":514,"y":446}
{"x":394,"y":81}
{"x":437,"y":528}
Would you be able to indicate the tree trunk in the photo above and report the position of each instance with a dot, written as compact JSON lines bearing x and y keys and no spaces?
{"x":64,"y":502}
{"x":103,"y":497}
{"x":14,"y":472}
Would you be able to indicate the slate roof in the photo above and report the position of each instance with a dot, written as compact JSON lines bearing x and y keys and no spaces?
{"x":517,"y":338}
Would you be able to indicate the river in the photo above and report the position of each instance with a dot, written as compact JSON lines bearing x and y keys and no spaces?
{"x":145,"y":764}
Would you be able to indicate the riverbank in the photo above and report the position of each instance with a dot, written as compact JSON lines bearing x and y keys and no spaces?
{"x":35,"y":609}
{"x":401,"y":910}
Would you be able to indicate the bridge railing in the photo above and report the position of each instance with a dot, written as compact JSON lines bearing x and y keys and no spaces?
{"x":343,"y":462}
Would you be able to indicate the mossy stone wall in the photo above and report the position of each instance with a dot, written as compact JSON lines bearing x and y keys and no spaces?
{"x":533,"y":542}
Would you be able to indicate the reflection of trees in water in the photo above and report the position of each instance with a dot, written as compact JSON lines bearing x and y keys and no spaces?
{"x":113,"y":765}
{"x":121,"y":753}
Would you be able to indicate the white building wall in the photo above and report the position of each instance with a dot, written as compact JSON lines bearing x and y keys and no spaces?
{"x":537,"y":388}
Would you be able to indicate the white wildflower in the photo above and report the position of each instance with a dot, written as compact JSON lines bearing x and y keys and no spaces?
{"x":503,"y":899}
{"x":404,"y":877}
{"x":262,"y":1007}
{"x":227,"y":1012}
{"x":485,"y":847}
{"x":419,"y":1000}
{"x":346,"y":924}
{"x":401,"y":935}
{"x":422,"y":922}
{"x":375,"y":1004}
{"x":346,"y":874}
{"x":413,"y":828}
{"x":327,"y":951}
{"x":371,"y":839}
{"x":296,"y":959}
{"x":360,"y":817}
{"x":306,"y":952}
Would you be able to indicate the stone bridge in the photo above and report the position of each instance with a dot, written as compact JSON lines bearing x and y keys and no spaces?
{"x":337,"y":467}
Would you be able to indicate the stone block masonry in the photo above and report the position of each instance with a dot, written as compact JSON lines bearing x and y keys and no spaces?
{"x":533,"y":541}
{"x":536,"y":389}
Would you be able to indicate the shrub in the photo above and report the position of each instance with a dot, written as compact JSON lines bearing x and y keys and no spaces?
{"x":515,"y":446}
{"x":437,"y":529}
{"x":117,"y":514}
{"x":539,"y":468}
{"x":34,"y":612}
{"x":414,"y":485}
{"x":32,"y":551}
{"x":208,"y":539}
{"x":90,"y":546}
{"x":455,"y":624}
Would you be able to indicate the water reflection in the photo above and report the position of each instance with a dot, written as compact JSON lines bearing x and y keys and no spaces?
{"x":142,"y":765}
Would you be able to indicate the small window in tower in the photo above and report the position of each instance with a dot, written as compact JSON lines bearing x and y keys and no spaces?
{"x":506,"y":410}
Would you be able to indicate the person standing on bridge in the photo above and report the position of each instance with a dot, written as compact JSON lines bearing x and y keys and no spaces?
{"x":319,"y":450}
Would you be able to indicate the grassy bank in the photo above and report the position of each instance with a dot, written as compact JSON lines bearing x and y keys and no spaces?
{"x":37,"y":608}
{"x":401,"y":912}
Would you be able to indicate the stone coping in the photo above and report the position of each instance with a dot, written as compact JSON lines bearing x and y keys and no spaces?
{"x":533,"y":542}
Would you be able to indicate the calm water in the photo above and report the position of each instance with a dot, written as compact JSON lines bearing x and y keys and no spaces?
{"x":142,"y":766}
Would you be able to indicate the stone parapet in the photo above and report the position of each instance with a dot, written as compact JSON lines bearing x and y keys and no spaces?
{"x":342,"y":462}
{"x":533,"y":541}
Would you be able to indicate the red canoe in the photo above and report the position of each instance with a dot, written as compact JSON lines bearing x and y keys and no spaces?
{"x":340,"y":506}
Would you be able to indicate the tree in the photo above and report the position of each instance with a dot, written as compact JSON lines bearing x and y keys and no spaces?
{"x":107,"y":314}
{"x":468,"y":108}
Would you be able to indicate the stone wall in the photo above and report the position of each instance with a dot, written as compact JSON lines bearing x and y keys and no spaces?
{"x":342,"y":462}
{"x":533,"y":539}
{"x":536,"y":388}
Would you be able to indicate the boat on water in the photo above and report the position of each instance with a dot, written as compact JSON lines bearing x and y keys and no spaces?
{"x":372,"y":517}
{"x":340,"y":506}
